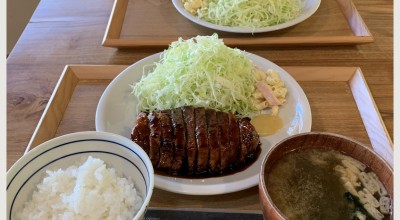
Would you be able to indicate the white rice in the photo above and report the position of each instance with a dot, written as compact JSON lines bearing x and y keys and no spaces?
{"x":90,"y":191}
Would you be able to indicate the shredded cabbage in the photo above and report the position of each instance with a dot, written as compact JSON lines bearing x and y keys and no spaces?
{"x":249,"y":13}
{"x":200,"y":71}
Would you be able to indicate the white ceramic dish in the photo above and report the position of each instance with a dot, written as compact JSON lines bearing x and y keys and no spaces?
{"x":309,"y":8}
{"x":116,"y":113}
{"x":118,"y":152}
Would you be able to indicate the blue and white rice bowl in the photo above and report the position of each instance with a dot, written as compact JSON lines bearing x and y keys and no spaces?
{"x":126,"y":157}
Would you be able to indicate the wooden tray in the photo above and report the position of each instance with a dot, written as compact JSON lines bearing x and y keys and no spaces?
{"x":339,"y":98}
{"x":156,"y":23}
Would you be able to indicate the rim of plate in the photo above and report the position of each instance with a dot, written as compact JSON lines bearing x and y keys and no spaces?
{"x":100,"y":112}
{"x":213,"y":185}
{"x":308,"y":11}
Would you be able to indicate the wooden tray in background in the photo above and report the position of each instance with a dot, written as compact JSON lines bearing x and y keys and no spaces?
{"x":156,"y":23}
{"x":339,"y":98}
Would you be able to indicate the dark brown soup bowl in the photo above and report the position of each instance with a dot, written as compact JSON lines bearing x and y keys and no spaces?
{"x":312,"y":140}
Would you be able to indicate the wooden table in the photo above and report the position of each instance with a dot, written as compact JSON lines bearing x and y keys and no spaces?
{"x":71,"y":32}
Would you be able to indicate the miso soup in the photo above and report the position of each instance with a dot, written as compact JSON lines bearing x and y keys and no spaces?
{"x":325,"y":184}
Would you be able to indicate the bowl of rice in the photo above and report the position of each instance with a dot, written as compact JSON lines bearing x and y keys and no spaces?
{"x":83,"y":175}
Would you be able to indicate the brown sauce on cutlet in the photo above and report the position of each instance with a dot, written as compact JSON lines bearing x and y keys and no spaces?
{"x":233,"y":169}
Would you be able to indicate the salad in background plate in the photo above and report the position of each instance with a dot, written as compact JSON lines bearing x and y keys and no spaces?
{"x":250,"y":16}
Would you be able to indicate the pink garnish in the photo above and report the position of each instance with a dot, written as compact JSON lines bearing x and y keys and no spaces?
{"x":268,"y":94}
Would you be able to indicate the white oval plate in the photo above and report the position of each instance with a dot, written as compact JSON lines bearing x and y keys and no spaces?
{"x":116,"y":113}
{"x":310,"y":7}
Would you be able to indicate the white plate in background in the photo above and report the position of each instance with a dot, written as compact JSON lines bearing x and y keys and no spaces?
{"x":309,"y":8}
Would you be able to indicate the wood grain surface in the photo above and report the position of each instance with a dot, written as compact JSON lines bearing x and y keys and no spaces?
{"x":71,"y":32}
